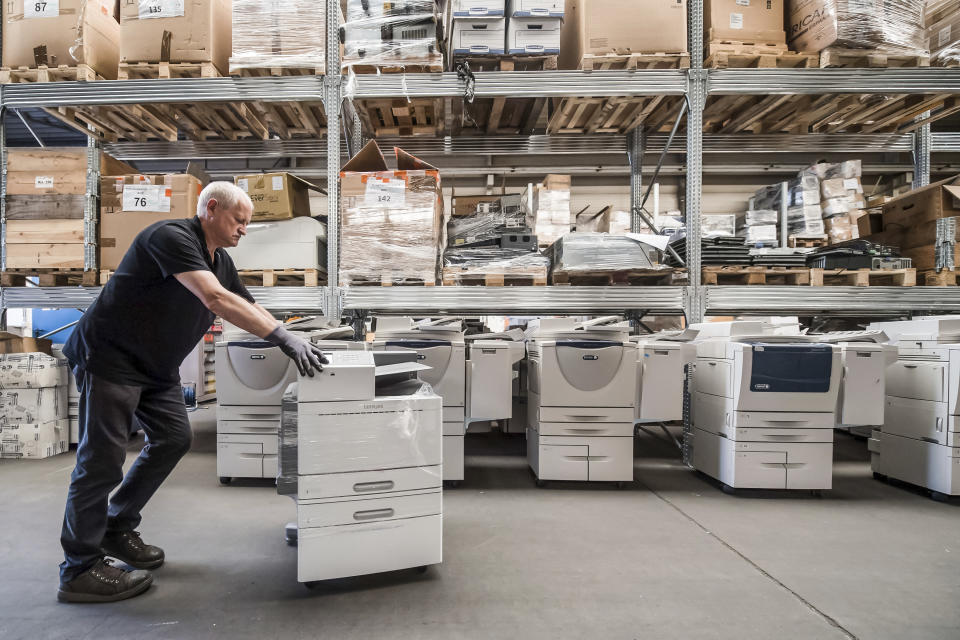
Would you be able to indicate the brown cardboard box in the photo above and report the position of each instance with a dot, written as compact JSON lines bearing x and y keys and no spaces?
{"x":12,"y":343}
{"x":467,"y":205}
{"x":744,"y":20}
{"x":814,"y":25}
{"x":90,"y":20}
{"x":277,"y":196}
{"x":392,"y":221}
{"x":53,"y":170}
{"x":938,"y":200}
{"x":201,"y":34}
{"x":599,"y":27}
{"x":118,"y":228}
{"x":869,"y":224}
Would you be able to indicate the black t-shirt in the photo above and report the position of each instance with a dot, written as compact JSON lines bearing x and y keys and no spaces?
{"x":144,"y":322}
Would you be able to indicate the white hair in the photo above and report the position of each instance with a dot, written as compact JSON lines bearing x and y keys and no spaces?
{"x":227,"y":195}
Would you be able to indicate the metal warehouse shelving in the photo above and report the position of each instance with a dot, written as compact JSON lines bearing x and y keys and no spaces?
{"x":696,"y":86}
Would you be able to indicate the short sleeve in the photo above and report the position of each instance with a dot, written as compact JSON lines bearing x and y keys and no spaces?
{"x":234,"y":284}
{"x":174,"y":251}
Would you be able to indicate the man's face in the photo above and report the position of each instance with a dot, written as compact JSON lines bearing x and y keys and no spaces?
{"x":229,"y":225}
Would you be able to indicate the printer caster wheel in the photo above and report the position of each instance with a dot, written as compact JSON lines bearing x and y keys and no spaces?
{"x":225,"y":480}
{"x":421,"y":570}
{"x":540,"y":483}
{"x":816,"y":493}
{"x":727,"y":489}
{"x":939,"y":497}
{"x":621,"y":484}
{"x":313,"y":584}
{"x":879,"y":476}
{"x":290,"y":534}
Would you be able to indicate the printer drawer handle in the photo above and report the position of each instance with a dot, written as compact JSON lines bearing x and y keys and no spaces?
{"x":909,"y":366}
{"x":373,"y":514}
{"x":382,"y":485}
{"x":712,"y":364}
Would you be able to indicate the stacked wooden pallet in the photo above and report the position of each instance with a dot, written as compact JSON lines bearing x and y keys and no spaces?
{"x":616,"y":277}
{"x":742,"y":275}
{"x":500,"y":277}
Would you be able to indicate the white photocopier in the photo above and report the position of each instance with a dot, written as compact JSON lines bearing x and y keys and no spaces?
{"x":763,"y":408}
{"x":919,"y":442}
{"x":478,"y":389}
{"x":582,"y":387}
{"x":251,"y":377}
{"x":361,"y":455}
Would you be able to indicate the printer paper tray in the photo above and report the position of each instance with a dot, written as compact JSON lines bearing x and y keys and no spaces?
{"x":364,"y":483}
{"x":391,"y":506}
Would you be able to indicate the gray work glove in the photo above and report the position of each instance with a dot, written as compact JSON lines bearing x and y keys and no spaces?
{"x":304,"y":353}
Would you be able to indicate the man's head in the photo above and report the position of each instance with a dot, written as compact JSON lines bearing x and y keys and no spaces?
{"x":225,"y":211}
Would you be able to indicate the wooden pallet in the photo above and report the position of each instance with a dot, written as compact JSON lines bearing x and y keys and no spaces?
{"x":402,"y":117}
{"x":507,"y":63}
{"x":267,"y":72}
{"x":732,"y":274}
{"x":942,"y":279}
{"x":613,"y":115}
{"x":632,"y":61}
{"x":807,"y":243}
{"x":514,"y":276}
{"x":835,"y":57}
{"x":282,"y":277}
{"x":433,"y":66}
{"x":166,"y":70}
{"x":863,"y":277}
{"x":614,"y":277}
{"x":388,"y":279}
{"x":49,"y":277}
{"x":788,"y":60}
{"x":43,"y":73}
{"x":716,"y":45}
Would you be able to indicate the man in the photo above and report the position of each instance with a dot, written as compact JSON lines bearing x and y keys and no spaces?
{"x":126,"y":352}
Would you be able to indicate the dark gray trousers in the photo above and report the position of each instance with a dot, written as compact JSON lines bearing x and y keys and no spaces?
{"x":110,"y":414}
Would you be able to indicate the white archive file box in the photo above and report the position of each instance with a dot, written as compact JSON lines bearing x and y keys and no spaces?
{"x":298,"y":243}
{"x":478,"y":36}
{"x":477,"y":8}
{"x":538,"y":35}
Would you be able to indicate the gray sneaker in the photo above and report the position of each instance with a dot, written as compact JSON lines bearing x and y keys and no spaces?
{"x":104,"y":582}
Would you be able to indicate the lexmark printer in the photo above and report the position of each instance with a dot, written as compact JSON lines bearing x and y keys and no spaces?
{"x":763,"y":408}
{"x":361,"y":455}
{"x":582,"y":380}
{"x":251,"y":377}
{"x":919,"y":441}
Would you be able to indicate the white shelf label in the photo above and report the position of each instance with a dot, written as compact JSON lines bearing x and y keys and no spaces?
{"x":277,"y":183}
{"x":244,"y":184}
{"x":146,"y":197}
{"x":43,"y":182}
{"x":384,"y":192}
{"x":160,"y":9}
{"x":41,"y":8}
{"x":943,"y":37}
{"x":736,"y":21}
{"x":743,"y":3}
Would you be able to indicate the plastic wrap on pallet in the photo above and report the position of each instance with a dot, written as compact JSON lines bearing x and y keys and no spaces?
{"x":841,"y":228}
{"x":602,"y":252}
{"x":762,"y":235}
{"x":717,"y":226}
{"x":287,"y":460}
{"x":390,"y":33}
{"x":888,"y":25}
{"x":485,"y":226}
{"x":943,"y":33}
{"x":756,"y":217}
{"x":494,"y":261}
{"x":286,"y":34}
{"x":392,"y":225}
{"x":547,"y":212}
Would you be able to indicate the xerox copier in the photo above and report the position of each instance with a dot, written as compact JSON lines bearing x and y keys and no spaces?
{"x":581,"y":392}
{"x":919,"y":442}
{"x":474,"y":389}
{"x":251,"y":377}
{"x":361,"y":455}
{"x":763,"y":408}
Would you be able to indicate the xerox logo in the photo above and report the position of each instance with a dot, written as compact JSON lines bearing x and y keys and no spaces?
{"x":761,"y":387}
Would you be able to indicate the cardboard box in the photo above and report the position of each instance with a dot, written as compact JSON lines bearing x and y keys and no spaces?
{"x":533,"y":35}
{"x":938,"y":200}
{"x":12,"y":343}
{"x":599,"y":27}
{"x":477,"y":8}
{"x":277,"y":196}
{"x":50,"y":36}
{"x":32,"y":405}
{"x":758,"y":21}
{"x":200,"y":31}
{"x":814,"y":25}
{"x":392,"y":221}
{"x":478,"y":35}
{"x":31,"y":370}
{"x":469,"y":205}
{"x":164,"y":197}
{"x":535,"y":8}
{"x":869,"y":223}
{"x":34,"y":441}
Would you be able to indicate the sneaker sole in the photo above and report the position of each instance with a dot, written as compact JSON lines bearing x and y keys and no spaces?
{"x":136,"y":565}
{"x":72,"y":596}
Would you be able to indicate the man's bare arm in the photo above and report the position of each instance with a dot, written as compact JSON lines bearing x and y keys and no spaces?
{"x":248,"y":316}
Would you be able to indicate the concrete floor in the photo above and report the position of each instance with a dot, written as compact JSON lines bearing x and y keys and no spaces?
{"x":670,"y":556}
